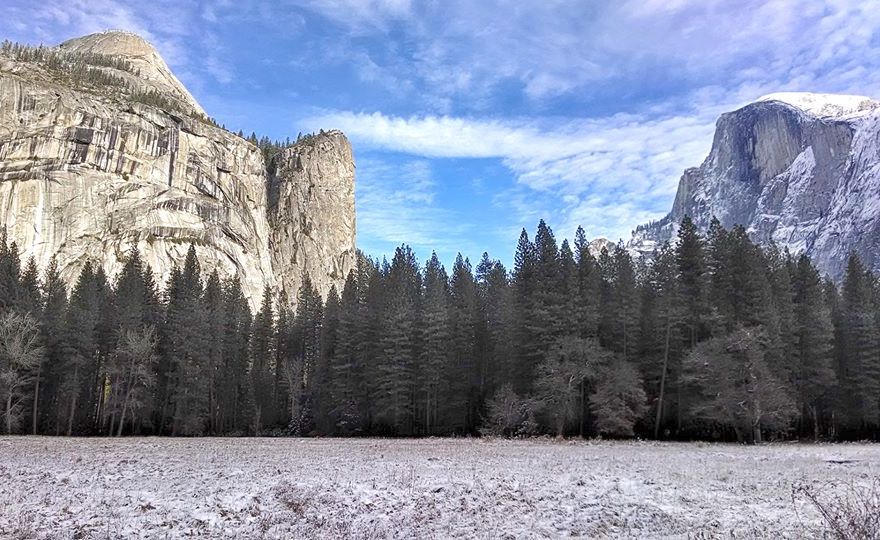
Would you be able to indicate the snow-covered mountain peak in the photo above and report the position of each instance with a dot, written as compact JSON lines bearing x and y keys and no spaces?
{"x":798,"y":170}
{"x":825,"y":105}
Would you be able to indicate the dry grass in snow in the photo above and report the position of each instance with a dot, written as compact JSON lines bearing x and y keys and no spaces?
{"x":431,"y":488}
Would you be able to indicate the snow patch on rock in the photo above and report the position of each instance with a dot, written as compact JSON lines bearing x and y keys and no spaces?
{"x":825,"y":105}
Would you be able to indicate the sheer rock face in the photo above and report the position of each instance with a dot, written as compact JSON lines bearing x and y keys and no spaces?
{"x":311,"y":213}
{"x":800,"y":170}
{"x":85,"y":176}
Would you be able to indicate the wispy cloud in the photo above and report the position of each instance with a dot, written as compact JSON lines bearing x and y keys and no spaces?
{"x":396,"y":204}
{"x":624,"y":162}
{"x":593,"y":108}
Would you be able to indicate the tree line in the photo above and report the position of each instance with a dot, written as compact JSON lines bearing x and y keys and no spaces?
{"x":712,"y":337}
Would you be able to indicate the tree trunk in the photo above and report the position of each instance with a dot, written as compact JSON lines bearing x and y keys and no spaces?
{"x":9,"y":414}
{"x":663,"y":380}
{"x":583,"y":406}
{"x":73,"y":403}
{"x":122,"y":414}
{"x":36,"y":401}
{"x":70,"y":415}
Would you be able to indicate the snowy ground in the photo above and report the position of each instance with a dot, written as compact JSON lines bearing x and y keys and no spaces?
{"x":374,"y":488}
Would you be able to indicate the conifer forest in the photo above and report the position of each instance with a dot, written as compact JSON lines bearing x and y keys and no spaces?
{"x":710,"y":338}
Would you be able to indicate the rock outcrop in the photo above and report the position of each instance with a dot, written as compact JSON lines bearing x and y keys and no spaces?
{"x":800,"y":170}
{"x":311,"y":213}
{"x":87,"y":172}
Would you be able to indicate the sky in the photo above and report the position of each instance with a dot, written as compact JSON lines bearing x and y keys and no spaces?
{"x":471,"y":120}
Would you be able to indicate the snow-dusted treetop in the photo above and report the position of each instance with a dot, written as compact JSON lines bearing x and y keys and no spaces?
{"x":825,"y":105}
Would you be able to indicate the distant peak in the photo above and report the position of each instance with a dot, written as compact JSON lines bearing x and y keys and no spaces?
{"x":140,"y":53}
{"x":113,"y":42}
{"x":824,"y":105}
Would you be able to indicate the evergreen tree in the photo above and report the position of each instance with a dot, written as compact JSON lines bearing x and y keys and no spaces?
{"x":671,"y":310}
{"x":461,"y":376}
{"x":81,"y":354}
{"x":813,"y":376}
{"x":235,"y":403}
{"x":588,"y":293}
{"x":394,"y":388}
{"x":185,"y":331}
{"x":10,"y":270}
{"x":345,"y":370}
{"x":435,"y":361}
{"x":329,"y":339}
{"x":527,"y":348}
{"x":47,"y":387}
{"x":495,"y":294}
{"x":859,"y":370}
{"x":212,"y":300}
{"x":262,"y":352}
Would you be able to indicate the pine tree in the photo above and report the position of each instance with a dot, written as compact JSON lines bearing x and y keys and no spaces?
{"x":461,"y":376}
{"x":262,"y":351}
{"x":306,"y":345}
{"x":81,"y":354}
{"x":47,"y":389}
{"x":527,"y":349}
{"x":588,"y":295}
{"x":813,"y":376}
{"x":495,"y":294}
{"x":235,"y":402}
{"x":329,"y":339}
{"x":621,"y":307}
{"x":212,"y":300}
{"x":670,"y":311}
{"x":345,"y":369}
{"x":10,"y":270}
{"x":859,"y":372}
{"x":185,"y":330}
{"x":434,"y":362}
{"x":692,"y":280}
{"x":29,"y":296}
{"x":394,"y":390}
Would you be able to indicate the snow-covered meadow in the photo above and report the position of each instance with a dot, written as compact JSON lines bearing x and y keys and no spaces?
{"x":430,"y":488}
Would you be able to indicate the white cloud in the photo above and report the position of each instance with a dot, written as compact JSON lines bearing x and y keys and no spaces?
{"x":624,"y":169}
{"x":396,"y":204}
{"x":359,"y":16}
{"x":458,"y":53}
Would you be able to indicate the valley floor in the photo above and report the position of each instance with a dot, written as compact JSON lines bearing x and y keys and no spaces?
{"x":429,"y":488}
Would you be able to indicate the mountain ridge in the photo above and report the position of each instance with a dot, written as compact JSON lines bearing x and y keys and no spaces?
{"x":799,"y":170}
{"x":97,"y":158}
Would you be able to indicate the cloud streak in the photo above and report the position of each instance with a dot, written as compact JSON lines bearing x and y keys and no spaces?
{"x":573,"y":165}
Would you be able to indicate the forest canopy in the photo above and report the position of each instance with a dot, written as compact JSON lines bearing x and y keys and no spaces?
{"x":712,"y":337}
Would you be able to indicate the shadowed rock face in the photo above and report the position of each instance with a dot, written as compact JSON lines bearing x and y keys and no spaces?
{"x":803,"y":173}
{"x":87,"y":174}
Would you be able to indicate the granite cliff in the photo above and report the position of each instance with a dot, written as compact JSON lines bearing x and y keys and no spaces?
{"x":797,"y":169}
{"x":102,"y":150}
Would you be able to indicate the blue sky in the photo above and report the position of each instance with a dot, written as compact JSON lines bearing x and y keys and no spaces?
{"x":471,"y":120}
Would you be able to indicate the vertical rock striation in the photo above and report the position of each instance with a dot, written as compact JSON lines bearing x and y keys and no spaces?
{"x":88,"y":173}
{"x":799,"y":170}
{"x":311,"y":213}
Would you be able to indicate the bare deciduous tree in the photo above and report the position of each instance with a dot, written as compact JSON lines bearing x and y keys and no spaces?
{"x":736,"y":387}
{"x":136,"y":360}
{"x":562,"y":374}
{"x":618,"y":400}
{"x":20,"y":355}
